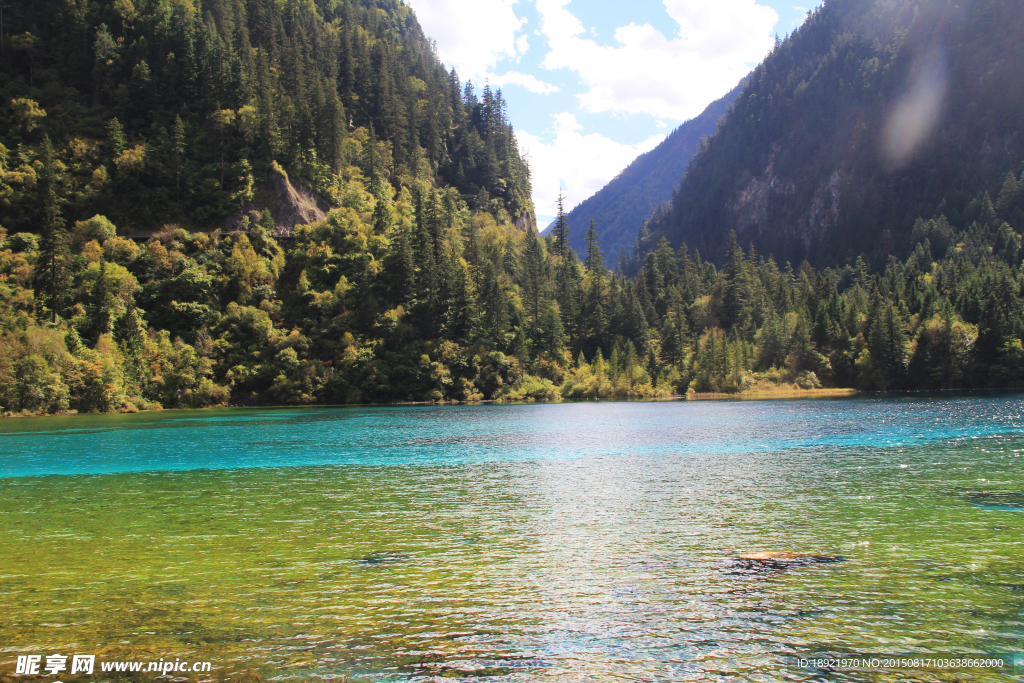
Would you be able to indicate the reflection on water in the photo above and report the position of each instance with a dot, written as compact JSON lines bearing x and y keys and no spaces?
{"x":562,"y":542}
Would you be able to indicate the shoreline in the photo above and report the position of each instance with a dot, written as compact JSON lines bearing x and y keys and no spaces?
{"x":495,"y":401}
{"x":753,"y":395}
{"x":750,"y":395}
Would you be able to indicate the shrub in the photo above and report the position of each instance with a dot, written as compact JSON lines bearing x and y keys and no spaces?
{"x":531,"y":388}
{"x":23,"y":242}
{"x":97,"y":228}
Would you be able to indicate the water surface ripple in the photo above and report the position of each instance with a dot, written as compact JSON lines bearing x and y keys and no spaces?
{"x":585,"y":541}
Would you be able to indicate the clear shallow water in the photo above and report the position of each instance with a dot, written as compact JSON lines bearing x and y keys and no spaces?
{"x":512,"y":543}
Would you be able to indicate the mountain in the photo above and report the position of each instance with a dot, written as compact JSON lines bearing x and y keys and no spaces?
{"x":182,"y":112}
{"x":293,"y":202}
{"x":870,"y":116}
{"x":620,"y":207}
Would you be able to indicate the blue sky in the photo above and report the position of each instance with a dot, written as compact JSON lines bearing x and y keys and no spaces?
{"x":591,"y":84}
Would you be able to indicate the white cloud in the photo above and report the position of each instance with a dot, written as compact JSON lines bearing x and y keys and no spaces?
{"x":528,"y":81}
{"x":646,"y":72}
{"x":799,"y":20}
{"x":472,"y":35}
{"x":578,"y":164}
{"x":522,"y":43}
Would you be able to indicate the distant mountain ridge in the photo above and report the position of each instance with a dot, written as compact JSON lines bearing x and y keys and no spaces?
{"x":620,"y":207}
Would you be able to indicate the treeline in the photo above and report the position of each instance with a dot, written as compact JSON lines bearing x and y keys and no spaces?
{"x":412,"y":295}
{"x":173,"y":111}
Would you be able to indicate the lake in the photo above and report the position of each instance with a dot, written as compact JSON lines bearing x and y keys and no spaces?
{"x":561,"y":542}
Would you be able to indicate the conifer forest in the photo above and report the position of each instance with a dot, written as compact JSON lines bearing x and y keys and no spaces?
{"x":244,"y":202}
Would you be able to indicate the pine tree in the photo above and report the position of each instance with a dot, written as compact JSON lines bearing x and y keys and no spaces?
{"x":772,"y":344}
{"x":428,"y":276}
{"x":561,"y":229}
{"x":595,"y":319}
{"x":568,"y":280}
{"x":178,"y":153}
{"x":495,"y":308}
{"x":372,"y":166}
{"x":381,"y":217}
{"x":533,"y":276}
{"x":634,"y":324}
{"x":404,"y":268}
{"x":630,"y":362}
{"x":100,"y":310}
{"x":599,"y":368}
{"x":1009,"y":194}
{"x":53,"y":269}
{"x":671,"y":349}
{"x":595,"y":260}
{"x":736,"y":298}
{"x":887,"y":342}
{"x":130,"y":332}
{"x":116,"y":141}
{"x":614,"y":363}
{"x":551,"y":333}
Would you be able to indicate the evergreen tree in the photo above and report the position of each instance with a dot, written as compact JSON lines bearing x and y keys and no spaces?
{"x":100,"y":309}
{"x":561,"y":229}
{"x":53,"y":269}
{"x":116,"y":141}
{"x":533,"y":275}
{"x":402,"y":267}
{"x":178,"y":152}
{"x":595,"y":260}
{"x":551,"y":333}
{"x":495,"y":309}
{"x":671,"y":343}
{"x":736,"y":299}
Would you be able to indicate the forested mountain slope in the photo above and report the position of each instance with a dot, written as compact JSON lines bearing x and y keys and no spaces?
{"x":620,"y":208}
{"x":175,"y":111}
{"x":872,"y":115}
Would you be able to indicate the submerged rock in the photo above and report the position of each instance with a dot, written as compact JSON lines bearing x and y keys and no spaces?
{"x":1010,"y":501}
{"x":382,"y":558}
{"x":774,"y":560}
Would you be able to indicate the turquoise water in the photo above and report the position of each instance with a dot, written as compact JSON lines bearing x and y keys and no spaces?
{"x":573,"y":541}
{"x":461,"y":435}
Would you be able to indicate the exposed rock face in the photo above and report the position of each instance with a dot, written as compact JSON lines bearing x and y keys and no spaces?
{"x":758,"y":207}
{"x":823,"y":214}
{"x":295,"y":204}
{"x":290,"y":202}
{"x":753,"y":205}
{"x":525,"y":221}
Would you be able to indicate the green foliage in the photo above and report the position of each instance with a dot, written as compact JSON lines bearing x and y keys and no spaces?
{"x":97,"y":228}
{"x":23,"y":242}
{"x":177,"y":112}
